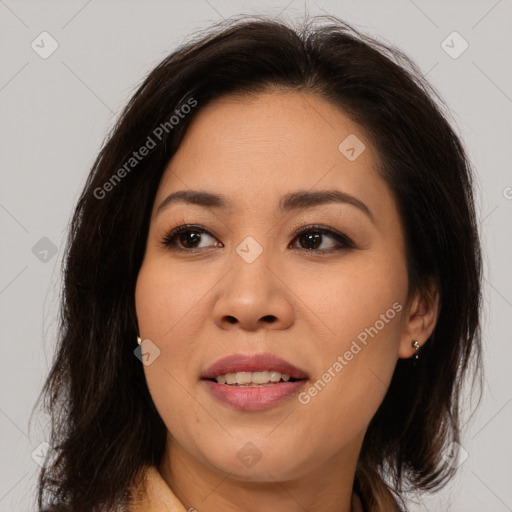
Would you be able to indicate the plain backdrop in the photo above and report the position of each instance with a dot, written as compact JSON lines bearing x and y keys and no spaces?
{"x":56,"y":110}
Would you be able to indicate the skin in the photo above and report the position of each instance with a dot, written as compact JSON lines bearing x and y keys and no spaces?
{"x":198,"y":307}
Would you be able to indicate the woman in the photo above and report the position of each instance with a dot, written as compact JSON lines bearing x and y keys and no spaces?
{"x":272,"y":284}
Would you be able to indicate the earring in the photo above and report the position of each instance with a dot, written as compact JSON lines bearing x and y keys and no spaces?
{"x":139,"y":340}
{"x":416,"y":345}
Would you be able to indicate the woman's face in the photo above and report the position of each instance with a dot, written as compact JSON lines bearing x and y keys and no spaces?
{"x":331,"y":301}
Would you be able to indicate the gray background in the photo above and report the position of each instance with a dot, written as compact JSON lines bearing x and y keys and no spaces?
{"x":55,"y":113}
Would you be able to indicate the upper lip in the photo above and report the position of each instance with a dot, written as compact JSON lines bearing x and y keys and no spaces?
{"x":253,"y":363}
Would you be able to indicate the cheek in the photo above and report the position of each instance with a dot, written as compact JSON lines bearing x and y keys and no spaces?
{"x":350,"y":297}
{"x":167,"y":304}
{"x":359,"y":313}
{"x":165,"y":295}
{"x":356,"y":370}
{"x":165,"y":300}
{"x":170,"y":303}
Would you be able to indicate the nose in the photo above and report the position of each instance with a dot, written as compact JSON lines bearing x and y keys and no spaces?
{"x":253,"y":296}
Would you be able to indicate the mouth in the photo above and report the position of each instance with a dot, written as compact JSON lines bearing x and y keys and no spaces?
{"x":260,"y":368}
{"x":259,"y":378}
{"x":253,"y":382}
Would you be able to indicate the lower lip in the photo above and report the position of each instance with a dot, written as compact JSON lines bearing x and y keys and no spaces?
{"x":254,"y":398}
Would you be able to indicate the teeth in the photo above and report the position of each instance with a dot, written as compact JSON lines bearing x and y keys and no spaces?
{"x":251,"y":378}
{"x":275,"y":376}
{"x":243,"y":377}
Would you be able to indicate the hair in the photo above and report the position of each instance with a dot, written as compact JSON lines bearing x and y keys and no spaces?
{"x":104,"y":425}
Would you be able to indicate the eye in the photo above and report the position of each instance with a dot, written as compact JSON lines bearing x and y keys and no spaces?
{"x":312,"y":237}
{"x":187,"y":237}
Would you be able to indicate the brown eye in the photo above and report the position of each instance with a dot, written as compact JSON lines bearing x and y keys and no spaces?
{"x":311,"y":238}
{"x":187,"y":237}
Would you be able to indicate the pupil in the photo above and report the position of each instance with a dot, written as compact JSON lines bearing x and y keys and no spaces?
{"x":311,"y":238}
{"x":188,"y":238}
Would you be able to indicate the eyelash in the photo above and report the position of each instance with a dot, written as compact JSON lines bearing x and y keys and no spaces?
{"x":345,"y":241}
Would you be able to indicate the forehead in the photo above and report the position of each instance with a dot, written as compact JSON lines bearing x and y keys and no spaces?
{"x":254,"y":149}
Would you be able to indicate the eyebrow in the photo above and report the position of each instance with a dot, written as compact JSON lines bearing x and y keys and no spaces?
{"x":300,"y":200}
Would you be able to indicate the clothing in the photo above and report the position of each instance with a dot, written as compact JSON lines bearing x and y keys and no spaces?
{"x":154,"y":495}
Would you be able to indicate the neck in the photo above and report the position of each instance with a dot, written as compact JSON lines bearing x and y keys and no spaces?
{"x":327,"y":488}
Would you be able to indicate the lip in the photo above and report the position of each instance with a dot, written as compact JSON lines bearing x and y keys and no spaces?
{"x":254,"y":398}
{"x":253,"y":363}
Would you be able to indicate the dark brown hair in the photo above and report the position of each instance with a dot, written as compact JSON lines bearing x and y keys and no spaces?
{"x":104,"y":423}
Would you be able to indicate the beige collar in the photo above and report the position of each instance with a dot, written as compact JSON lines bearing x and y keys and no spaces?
{"x":153,"y":494}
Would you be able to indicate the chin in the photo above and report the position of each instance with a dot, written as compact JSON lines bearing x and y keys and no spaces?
{"x":252,"y":464}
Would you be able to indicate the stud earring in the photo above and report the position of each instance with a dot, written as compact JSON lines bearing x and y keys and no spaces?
{"x":416,"y":345}
{"x":139,"y":340}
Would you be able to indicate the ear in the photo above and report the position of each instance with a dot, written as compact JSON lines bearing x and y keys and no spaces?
{"x":420,"y":319}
